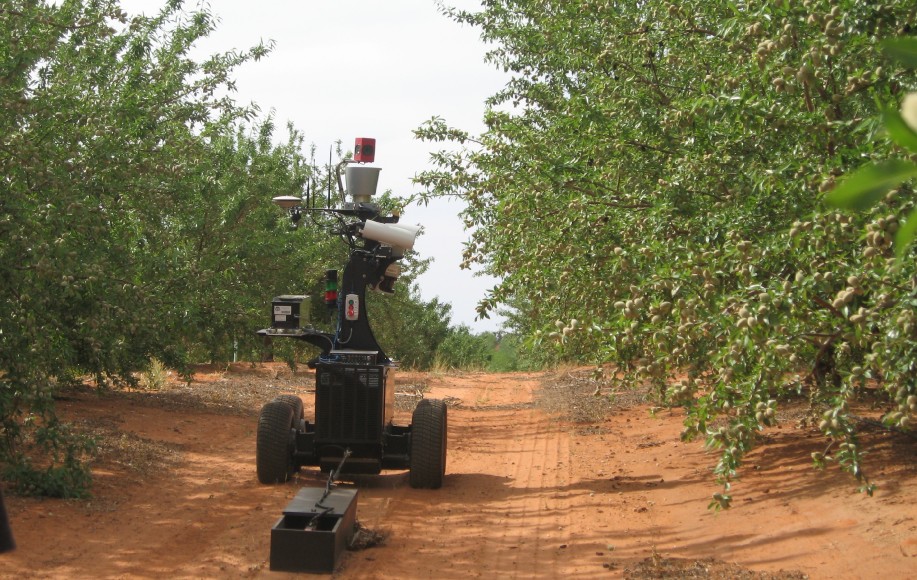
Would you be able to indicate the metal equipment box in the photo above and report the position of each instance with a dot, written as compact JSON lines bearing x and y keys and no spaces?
{"x":314,"y":532}
{"x":290,"y":312}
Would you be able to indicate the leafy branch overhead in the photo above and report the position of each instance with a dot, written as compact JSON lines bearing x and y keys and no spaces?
{"x":866,"y":186}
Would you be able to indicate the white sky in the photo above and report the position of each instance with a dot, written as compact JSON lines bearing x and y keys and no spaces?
{"x":343,"y":69}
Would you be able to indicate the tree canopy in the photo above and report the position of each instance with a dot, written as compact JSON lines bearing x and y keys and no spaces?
{"x":650,"y":188}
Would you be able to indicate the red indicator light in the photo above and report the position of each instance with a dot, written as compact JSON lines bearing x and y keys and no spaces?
{"x":364,"y":150}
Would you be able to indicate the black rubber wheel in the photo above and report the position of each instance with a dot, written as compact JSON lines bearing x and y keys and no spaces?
{"x":428,"y":444}
{"x":273,"y":449}
{"x":296,"y":403}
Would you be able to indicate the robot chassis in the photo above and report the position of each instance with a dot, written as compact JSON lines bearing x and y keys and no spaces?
{"x":353,"y":429}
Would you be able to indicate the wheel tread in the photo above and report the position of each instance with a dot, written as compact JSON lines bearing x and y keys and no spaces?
{"x":273,"y":458}
{"x":428,"y":444}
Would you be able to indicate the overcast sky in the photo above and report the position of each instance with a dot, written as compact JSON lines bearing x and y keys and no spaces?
{"x":343,"y":69}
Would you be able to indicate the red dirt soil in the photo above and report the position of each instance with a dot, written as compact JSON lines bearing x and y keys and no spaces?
{"x":526,"y":495}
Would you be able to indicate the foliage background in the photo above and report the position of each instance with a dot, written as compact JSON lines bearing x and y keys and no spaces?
{"x":135,"y":223}
{"x":656,"y":171}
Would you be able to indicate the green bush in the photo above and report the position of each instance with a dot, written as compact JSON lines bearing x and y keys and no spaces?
{"x":465,"y":351}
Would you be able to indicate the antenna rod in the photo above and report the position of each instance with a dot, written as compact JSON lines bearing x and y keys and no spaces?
{"x":308,"y":187}
{"x":329,"y":176}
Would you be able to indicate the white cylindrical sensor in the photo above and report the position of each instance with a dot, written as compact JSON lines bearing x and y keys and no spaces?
{"x":414,"y":230}
{"x":388,"y":234}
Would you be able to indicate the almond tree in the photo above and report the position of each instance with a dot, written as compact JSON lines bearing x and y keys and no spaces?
{"x":134,"y":212}
{"x":656,"y":172}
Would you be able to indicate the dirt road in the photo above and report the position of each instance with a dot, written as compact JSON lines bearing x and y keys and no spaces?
{"x":526,"y":495}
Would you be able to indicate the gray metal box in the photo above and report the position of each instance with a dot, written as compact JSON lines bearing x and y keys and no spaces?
{"x":290,"y":312}
{"x":313,"y":533}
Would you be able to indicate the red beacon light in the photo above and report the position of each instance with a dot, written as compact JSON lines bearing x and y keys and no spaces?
{"x":364,"y":150}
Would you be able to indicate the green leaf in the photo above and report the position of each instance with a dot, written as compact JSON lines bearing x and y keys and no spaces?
{"x":868,"y":184}
{"x":903,"y":50}
{"x":906,"y":234}
{"x":899,"y":131}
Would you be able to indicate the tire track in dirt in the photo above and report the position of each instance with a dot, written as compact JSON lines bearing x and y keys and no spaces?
{"x":535,"y":523}
{"x":502,"y":511}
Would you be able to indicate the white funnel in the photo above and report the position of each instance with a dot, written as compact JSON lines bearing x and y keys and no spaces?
{"x":361,"y":182}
